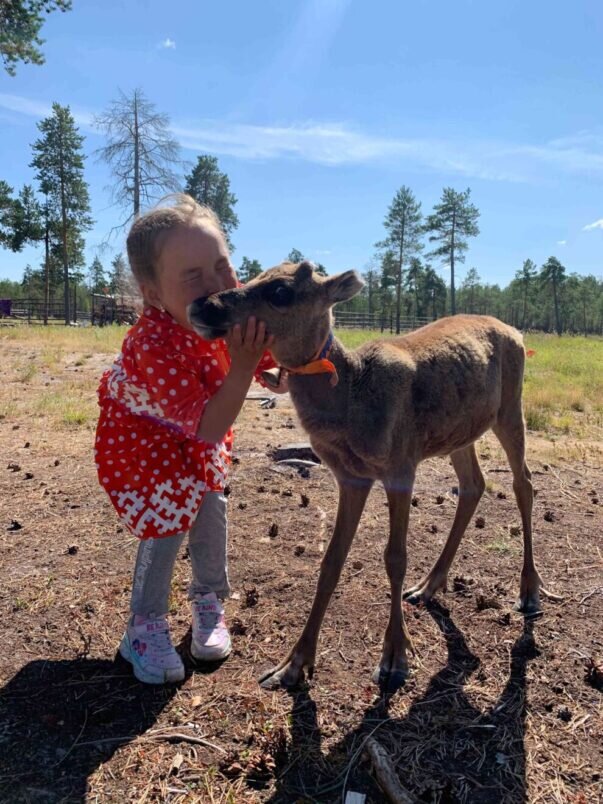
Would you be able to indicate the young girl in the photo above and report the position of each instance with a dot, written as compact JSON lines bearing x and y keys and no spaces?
{"x":164,"y":434}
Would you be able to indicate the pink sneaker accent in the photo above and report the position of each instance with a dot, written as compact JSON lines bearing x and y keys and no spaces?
{"x":148,"y":647}
{"x":211,"y":640}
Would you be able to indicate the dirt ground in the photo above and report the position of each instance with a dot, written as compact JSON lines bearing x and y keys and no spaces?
{"x":496,"y":710}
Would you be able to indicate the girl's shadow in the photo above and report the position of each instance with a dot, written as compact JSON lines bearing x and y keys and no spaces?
{"x":60,"y":720}
{"x":445,"y":749}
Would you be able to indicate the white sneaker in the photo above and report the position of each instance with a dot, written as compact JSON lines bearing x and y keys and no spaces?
{"x":148,"y":647}
{"x":211,"y":640}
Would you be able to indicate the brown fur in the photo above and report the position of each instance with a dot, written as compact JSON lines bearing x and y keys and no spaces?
{"x":398,"y":401}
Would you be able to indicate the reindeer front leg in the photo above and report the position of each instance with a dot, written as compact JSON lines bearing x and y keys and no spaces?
{"x":352,"y":498}
{"x":392,"y":671}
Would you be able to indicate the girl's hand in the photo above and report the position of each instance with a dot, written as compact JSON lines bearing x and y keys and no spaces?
{"x":247,"y":346}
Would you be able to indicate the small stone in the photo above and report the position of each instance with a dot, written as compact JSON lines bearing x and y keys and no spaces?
{"x":16,"y":426}
{"x":72,"y":550}
{"x":57,"y":462}
{"x":287,"y":493}
{"x":549,"y":516}
{"x":15,"y":525}
{"x":515,"y":530}
{"x":358,"y":565}
{"x":455,"y":491}
{"x":261,"y":489}
{"x":273,"y":531}
{"x":29,"y":475}
{"x":27,"y":445}
{"x":501,"y":495}
{"x":439,"y":499}
{"x":433,"y":528}
{"x":242,"y":506}
{"x":415,"y":502}
{"x":299,"y":549}
{"x":480,"y":522}
{"x":305,"y":501}
{"x":227,"y":491}
{"x":13,"y":467}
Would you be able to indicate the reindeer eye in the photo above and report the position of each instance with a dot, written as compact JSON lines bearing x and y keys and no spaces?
{"x":280,"y":296}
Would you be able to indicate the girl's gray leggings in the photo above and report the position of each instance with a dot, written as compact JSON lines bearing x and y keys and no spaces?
{"x":207,"y":545}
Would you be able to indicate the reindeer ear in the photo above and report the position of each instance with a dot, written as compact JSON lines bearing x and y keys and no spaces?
{"x":343,"y":287}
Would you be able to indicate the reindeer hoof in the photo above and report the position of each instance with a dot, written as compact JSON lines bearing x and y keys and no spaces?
{"x":416,"y":598}
{"x":529,"y":607}
{"x":286,"y":677}
{"x":389,"y":681}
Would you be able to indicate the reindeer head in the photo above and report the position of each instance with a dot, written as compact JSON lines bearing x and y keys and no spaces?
{"x":293,"y":300}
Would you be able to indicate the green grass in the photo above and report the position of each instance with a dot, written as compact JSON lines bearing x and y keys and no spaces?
{"x":56,"y":339}
{"x":72,"y":405}
{"x":563,"y":391}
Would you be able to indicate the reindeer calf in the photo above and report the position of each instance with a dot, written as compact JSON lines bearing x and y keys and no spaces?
{"x":373,"y":414}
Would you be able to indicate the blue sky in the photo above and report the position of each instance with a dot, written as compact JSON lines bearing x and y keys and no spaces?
{"x":319,"y":110}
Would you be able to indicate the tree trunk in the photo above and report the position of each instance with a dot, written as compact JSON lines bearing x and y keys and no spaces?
{"x":136,"y":159}
{"x":64,"y":235}
{"x":399,"y":281}
{"x":556,"y":302}
{"x":525,"y":306}
{"x":452,"y":296}
{"x":46,"y":272}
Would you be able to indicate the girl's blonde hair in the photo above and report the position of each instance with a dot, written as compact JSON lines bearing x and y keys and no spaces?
{"x":147,"y":235}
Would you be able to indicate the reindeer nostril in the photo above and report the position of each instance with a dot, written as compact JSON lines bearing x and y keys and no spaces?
{"x":207,"y":311}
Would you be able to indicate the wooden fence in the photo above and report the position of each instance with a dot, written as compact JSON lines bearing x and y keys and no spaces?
{"x":376,"y":321}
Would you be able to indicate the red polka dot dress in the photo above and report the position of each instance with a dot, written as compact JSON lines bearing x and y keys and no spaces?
{"x":148,"y":456}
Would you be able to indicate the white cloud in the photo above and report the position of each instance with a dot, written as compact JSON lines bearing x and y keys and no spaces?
{"x":337,"y":143}
{"x":561,"y":242}
{"x":168,"y":44}
{"x":39,"y":109}
{"x":591,"y":226}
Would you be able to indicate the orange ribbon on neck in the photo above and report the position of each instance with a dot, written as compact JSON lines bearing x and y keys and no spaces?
{"x":323,"y":366}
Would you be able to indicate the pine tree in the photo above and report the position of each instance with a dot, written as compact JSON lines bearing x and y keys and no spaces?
{"x":120,"y":283}
{"x":403,"y":226}
{"x":470,"y":286}
{"x":59,"y":162}
{"x":371,"y":287}
{"x":296,"y":256}
{"x":525,"y":277}
{"x":140,"y":152}
{"x":97,"y":279}
{"x":414,"y":280}
{"x":552,"y":274}
{"x":20,"y":25}
{"x":27,"y":219}
{"x":249,"y":270}
{"x":208,"y":185}
{"x":453,"y":220}
{"x":7,"y":215}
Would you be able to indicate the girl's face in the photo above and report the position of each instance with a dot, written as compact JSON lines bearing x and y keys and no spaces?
{"x":194,"y":262}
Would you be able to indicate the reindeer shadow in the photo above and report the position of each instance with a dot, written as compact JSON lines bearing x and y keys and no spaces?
{"x":60,"y":720}
{"x":444,"y":750}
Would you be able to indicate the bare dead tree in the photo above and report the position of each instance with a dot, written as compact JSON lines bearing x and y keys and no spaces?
{"x":140,"y":151}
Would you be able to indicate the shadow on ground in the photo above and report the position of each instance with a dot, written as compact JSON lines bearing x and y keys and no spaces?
{"x":444,"y":750}
{"x":60,"y":720}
